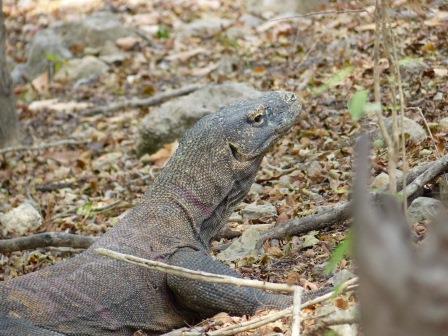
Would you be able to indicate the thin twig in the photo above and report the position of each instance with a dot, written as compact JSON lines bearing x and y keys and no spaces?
{"x":65,"y":142}
{"x":377,"y":92}
{"x":139,"y":102}
{"x":195,"y":275}
{"x":297,"y":298}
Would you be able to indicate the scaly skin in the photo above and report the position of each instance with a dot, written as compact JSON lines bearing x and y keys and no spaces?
{"x":187,"y":205}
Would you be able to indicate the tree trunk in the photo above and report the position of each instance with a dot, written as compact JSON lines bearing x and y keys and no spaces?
{"x":403,"y":290}
{"x":8,"y":118}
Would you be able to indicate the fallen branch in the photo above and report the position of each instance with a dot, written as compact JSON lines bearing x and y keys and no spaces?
{"x":139,"y":102}
{"x":56,"y":239}
{"x":58,"y":143}
{"x":417,"y":178}
{"x":337,"y":214}
{"x":436,"y":169}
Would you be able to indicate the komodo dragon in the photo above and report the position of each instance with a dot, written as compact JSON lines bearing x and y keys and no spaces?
{"x":186,"y":206}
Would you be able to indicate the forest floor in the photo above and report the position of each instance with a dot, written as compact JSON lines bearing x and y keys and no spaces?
{"x":325,"y":59}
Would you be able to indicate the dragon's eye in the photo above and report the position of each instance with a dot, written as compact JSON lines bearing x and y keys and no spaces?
{"x":257,"y":116}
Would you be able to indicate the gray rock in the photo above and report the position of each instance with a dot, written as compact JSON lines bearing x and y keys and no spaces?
{"x":21,"y":220}
{"x":241,"y":247}
{"x":92,"y":32}
{"x":251,"y":21}
{"x":413,"y":66}
{"x":169,"y":121}
{"x":45,"y":46}
{"x":256,"y":188}
{"x":381,"y":181}
{"x":111,"y":54}
{"x":255,"y":211}
{"x":313,"y":169}
{"x":202,"y":27}
{"x":84,"y":68}
{"x":412,"y":129}
{"x":424,"y":208}
{"x":340,"y":277}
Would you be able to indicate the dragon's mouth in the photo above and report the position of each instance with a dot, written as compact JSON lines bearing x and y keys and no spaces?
{"x":239,"y":154}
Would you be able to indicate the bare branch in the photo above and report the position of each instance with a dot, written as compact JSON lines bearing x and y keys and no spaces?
{"x":138,"y":102}
{"x":56,"y":239}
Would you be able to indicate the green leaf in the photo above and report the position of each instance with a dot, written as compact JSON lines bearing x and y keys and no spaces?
{"x":342,"y":250}
{"x":56,"y":60}
{"x":163,"y":33}
{"x":86,"y":209}
{"x":357,"y":104}
{"x":334,"y":80}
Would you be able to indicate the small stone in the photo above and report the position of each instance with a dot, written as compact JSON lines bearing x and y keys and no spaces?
{"x":256,"y":188}
{"x":285,"y":181}
{"x":255,"y":211}
{"x":21,"y":220}
{"x":275,"y":243}
{"x":106,"y":161}
{"x":251,"y":21}
{"x":341,"y":277}
{"x":381,"y":181}
{"x":424,"y":208}
{"x":236,"y":217}
{"x":412,"y":129}
{"x":242,"y":247}
{"x":443,"y":123}
{"x":202,"y":27}
{"x":413,"y":66}
{"x":80,"y":69}
{"x":425,"y":152}
{"x":438,"y":96}
{"x":127,"y":43}
{"x":314,"y":169}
